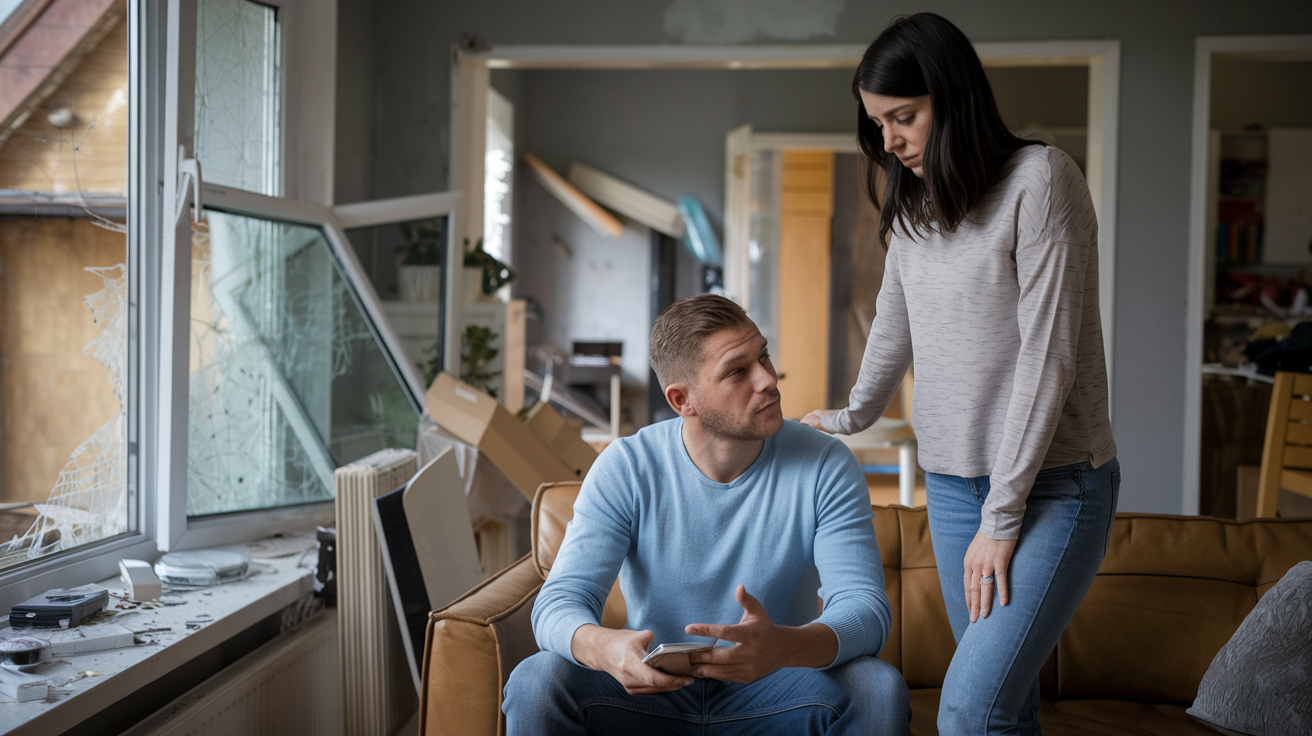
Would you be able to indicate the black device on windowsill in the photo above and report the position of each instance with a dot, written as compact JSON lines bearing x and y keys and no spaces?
{"x":59,"y":608}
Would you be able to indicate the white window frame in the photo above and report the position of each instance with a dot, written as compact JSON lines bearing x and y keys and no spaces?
{"x":177,"y":530}
{"x":308,"y":85}
{"x":161,"y":68}
{"x":99,"y":560}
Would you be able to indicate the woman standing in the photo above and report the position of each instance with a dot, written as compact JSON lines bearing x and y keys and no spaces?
{"x":991,"y":281}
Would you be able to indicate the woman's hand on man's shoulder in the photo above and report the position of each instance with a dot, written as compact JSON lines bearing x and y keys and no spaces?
{"x":816,"y":419}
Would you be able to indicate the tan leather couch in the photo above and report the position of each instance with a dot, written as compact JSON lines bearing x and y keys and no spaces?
{"x":1170,"y":592}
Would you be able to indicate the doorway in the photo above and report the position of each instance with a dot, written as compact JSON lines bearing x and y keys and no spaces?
{"x":1099,"y":61}
{"x":1249,"y":252}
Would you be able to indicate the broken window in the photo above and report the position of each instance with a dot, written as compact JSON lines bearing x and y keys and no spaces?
{"x":63,"y":286}
{"x":238,"y":97}
{"x":288,"y":378}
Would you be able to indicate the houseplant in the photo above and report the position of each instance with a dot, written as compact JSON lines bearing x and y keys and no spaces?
{"x":419,"y":276}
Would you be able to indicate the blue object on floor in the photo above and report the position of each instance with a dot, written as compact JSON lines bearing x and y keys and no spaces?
{"x":698,"y":236}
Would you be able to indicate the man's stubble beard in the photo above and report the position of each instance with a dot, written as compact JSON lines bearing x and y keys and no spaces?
{"x":721,"y":424}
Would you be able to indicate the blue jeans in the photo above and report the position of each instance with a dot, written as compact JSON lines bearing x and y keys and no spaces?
{"x":992,"y":685}
{"x":548,"y":694}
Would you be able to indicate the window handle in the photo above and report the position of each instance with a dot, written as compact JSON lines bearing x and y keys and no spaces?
{"x":188,"y":175}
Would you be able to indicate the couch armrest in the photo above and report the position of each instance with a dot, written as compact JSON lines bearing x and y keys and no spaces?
{"x":471,"y":647}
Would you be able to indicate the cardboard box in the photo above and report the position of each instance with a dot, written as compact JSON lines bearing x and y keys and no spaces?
{"x":477,"y":419}
{"x":562,"y":437}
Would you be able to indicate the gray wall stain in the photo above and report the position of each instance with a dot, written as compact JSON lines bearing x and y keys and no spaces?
{"x":739,"y":21}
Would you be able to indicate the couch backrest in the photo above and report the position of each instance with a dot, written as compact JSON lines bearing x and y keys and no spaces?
{"x":1170,"y":592}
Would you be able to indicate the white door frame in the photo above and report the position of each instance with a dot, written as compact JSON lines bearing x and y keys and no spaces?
{"x":1257,"y":48}
{"x":470,"y":78}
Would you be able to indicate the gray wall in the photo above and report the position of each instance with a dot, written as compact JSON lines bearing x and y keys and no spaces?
{"x":411,"y":92}
{"x":1047,"y":96}
{"x":662,"y":131}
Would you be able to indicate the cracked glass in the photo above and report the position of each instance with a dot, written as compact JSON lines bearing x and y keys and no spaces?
{"x":238,"y":95}
{"x":288,"y":379}
{"x":63,"y":292}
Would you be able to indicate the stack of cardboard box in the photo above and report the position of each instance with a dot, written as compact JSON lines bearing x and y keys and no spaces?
{"x":544,"y":449}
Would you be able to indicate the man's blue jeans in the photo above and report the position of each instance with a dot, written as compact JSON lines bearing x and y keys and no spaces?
{"x":548,"y":694}
{"x":992,"y":685}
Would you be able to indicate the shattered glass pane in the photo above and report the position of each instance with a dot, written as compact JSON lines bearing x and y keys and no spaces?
{"x":238,"y":95}
{"x":64,"y":383}
{"x":288,"y":381}
{"x":89,"y":499}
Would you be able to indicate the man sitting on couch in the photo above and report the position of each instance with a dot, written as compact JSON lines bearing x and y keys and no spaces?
{"x":726,"y":523}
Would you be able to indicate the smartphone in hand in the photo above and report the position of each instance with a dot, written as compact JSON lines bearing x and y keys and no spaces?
{"x":673,"y":658}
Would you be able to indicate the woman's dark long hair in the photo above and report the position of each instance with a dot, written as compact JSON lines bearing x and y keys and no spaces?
{"x":968,"y":142}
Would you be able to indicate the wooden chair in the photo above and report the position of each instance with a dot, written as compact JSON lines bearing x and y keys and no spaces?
{"x":1287,"y":451}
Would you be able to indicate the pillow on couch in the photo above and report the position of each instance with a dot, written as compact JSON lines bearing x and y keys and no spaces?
{"x":1260,"y":683}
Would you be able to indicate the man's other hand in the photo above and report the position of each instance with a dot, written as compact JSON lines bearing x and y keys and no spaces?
{"x":762,"y":647}
{"x":619,"y":652}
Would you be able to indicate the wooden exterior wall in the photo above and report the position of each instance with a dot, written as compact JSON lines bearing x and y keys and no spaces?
{"x":91,"y":152}
{"x":52,"y":395}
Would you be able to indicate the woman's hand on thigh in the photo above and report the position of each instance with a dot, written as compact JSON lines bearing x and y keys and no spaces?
{"x":986,"y":558}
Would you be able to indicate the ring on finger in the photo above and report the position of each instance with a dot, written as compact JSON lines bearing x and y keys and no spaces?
{"x":986,"y":580}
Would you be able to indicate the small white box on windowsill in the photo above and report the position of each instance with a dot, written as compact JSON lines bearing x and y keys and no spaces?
{"x":139,"y":580}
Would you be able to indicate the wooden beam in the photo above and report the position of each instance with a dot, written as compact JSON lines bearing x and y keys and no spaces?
{"x":577,"y":202}
{"x":636,"y":204}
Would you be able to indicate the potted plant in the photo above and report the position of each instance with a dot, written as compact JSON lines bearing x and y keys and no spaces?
{"x":419,"y":277}
{"x":484,"y":273}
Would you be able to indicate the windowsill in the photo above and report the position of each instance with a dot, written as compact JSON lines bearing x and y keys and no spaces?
{"x":231,"y":609}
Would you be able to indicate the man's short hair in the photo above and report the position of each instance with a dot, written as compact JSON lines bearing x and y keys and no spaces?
{"x":682,"y":329}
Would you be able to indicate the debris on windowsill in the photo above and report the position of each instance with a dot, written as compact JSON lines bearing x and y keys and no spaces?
{"x":279,"y":546}
{"x":199,"y":621}
{"x":152,"y":627}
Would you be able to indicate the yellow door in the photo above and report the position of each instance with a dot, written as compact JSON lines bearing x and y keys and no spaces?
{"x":802,"y":355}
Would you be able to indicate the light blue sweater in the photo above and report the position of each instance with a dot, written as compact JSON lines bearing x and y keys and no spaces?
{"x":796,"y":524}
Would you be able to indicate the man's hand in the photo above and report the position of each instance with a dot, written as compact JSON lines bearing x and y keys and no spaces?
{"x":620,"y":653}
{"x":986,"y":557}
{"x":815,"y":419}
{"x":762,"y":647}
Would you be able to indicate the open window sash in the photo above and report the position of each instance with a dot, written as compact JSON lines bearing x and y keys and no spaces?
{"x":302,"y":426}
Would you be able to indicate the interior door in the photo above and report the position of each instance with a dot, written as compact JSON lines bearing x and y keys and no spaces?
{"x":807,"y":205}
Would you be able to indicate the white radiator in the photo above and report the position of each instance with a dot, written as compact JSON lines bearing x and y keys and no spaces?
{"x":288,"y":687}
{"x":378,"y":693}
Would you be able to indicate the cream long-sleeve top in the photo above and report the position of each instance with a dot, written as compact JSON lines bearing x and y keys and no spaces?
{"x":1002,"y":318}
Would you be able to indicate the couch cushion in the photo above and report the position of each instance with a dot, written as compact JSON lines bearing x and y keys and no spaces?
{"x":1170,"y":593}
{"x":1078,"y":717}
{"x":1261,"y":681}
